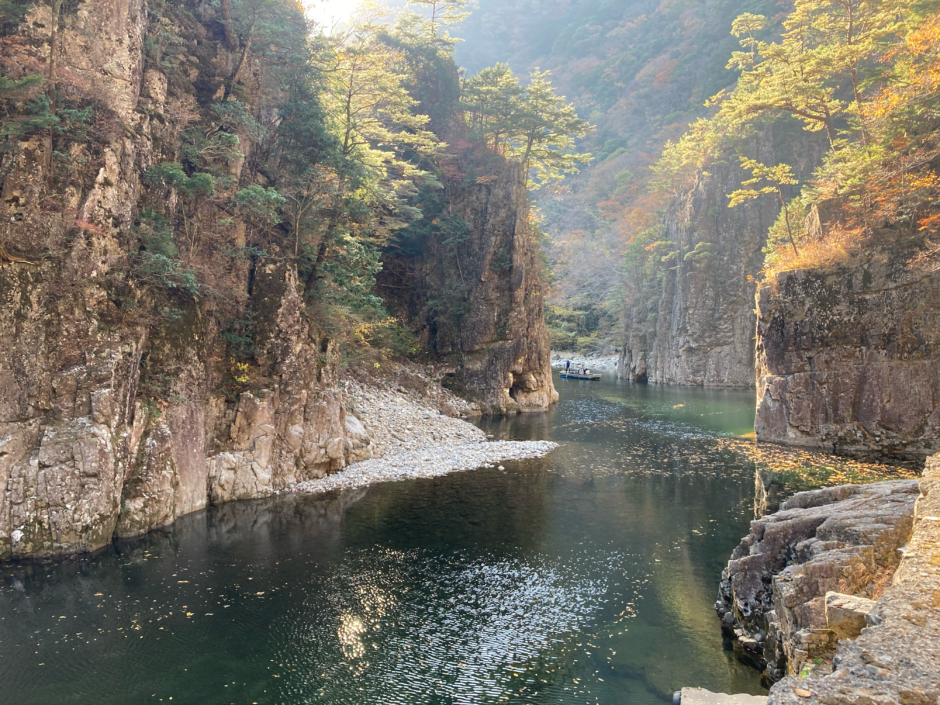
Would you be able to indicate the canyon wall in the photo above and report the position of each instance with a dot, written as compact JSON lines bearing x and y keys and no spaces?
{"x":693,"y":323}
{"x":88,"y":454}
{"x":475,"y":294}
{"x":129,"y":396}
{"x":849,"y":356}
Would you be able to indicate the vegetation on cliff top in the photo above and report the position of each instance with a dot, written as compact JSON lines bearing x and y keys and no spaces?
{"x":866,"y":74}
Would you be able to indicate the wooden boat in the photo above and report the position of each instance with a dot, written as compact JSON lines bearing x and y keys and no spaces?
{"x":591,"y":377}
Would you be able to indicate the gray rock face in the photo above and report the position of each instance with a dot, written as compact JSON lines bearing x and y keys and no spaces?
{"x":847,"y":358}
{"x":773,"y":593}
{"x":478,"y":305}
{"x":896,"y":659}
{"x":696,"y":326}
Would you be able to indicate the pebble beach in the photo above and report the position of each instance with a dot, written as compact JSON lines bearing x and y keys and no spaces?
{"x":412,"y":438}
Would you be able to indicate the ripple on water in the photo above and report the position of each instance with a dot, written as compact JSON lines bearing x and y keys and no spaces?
{"x":585,"y":576}
{"x":461,"y":627}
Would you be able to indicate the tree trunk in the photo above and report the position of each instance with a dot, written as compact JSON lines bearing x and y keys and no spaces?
{"x":786,"y":217}
{"x":50,"y":86}
{"x":230,"y":40}
{"x":241,"y":62}
{"x":830,"y":129}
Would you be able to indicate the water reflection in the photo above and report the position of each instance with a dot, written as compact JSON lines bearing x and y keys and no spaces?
{"x":586,"y":576}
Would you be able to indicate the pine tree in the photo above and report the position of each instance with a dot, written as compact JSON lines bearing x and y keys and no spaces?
{"x":767,"y":180}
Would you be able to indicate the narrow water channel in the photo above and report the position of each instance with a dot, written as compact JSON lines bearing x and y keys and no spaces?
{"x":585,"y":577}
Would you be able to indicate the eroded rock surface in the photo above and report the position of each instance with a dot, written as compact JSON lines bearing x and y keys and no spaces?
{"x":845,"y":539}
{"x":85,"y":458}
{"x":896,"y":659}
{"x":847,"y":358}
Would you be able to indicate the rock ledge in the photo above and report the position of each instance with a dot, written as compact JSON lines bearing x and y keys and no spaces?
{"x":773,"y":594}
{"x":897,"y":657}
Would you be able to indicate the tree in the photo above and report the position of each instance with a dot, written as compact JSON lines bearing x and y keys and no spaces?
{"x":773,"y":178}
{"x":681,"y":162}
{"x":791,"y":76}
{"x":825,"y":43}
{"x":490,"y":100}
{"x":543,"y":132}
{"x":889,"y":176}
{"x":380,"y":138}
{"x":270,"y":30}
{"x":430,"y":28}
{"x":849,"y":32}
{"x":532,"y":124}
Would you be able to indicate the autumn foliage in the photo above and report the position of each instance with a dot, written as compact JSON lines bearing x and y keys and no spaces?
{"x":865,"y":74}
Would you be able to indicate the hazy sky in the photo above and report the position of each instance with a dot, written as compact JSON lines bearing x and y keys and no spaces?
{"x":327,"y":12}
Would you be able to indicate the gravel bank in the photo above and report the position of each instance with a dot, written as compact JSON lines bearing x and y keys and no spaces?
{"x":412,"y":439}
{"x":594,"y":361}
{"x":434,"y":461}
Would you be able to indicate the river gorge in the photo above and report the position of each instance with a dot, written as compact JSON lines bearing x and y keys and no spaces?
{"x":588,"y":575}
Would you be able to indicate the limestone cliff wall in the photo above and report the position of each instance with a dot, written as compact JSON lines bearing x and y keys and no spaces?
{"x":694,"y":323}
{"x":476,"y":296}
{"x":848,"y":357}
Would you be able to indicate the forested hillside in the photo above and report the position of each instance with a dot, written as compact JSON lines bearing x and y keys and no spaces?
{"x":643,"y":72}
{"x":639,"y":71}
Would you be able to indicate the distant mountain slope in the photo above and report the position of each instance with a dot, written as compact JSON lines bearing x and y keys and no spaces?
{"x":638,"y":70}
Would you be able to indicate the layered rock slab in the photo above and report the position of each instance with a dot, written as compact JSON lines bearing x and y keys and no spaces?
{"x":896,"y":659}
{"x":835,"y":540}
{"x":699,"y":696}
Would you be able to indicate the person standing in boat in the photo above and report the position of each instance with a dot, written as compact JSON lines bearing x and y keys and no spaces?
{"x":567,"y":366}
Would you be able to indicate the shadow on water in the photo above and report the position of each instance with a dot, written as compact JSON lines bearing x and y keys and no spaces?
{"x":584,"y":577}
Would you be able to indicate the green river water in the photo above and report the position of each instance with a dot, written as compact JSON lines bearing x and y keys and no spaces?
{"x":584,"y":577}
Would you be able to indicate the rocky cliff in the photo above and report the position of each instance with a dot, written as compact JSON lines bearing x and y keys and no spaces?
{"x":693,"y":323}
{"x":474,"y":291}
{"x":847,"y":356}
{"x":87,"y":454}
{"x":845,"y":540}
{"x":130,"y":396}
{"x":892,"y":652}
